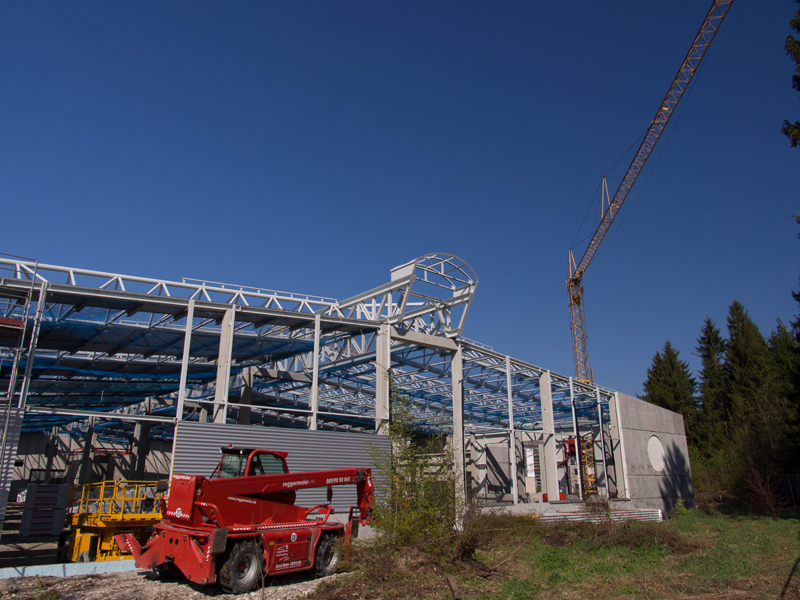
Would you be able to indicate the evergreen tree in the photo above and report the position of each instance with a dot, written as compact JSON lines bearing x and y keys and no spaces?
{"x":746,"y":358}
{"x":714,"y":409}
{"x":670,"y":385}
{"x":757,"y":412}
{"x":783,"y":358}
{"x":792,"y":47}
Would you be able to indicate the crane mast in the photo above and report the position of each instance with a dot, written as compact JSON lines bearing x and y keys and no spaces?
{"x":701,"y":43}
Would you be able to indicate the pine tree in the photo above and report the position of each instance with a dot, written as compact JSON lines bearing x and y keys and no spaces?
{"x":670,"y":385}
{"x":792,"y":47}
{"x":714,"y":409}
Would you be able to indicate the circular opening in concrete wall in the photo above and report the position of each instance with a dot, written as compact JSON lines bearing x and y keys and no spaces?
{"x":655,"y":452}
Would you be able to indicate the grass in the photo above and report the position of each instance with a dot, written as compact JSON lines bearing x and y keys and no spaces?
{"x":693,"y":555}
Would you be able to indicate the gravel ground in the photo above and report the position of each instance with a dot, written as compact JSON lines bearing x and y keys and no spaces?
{"x":146,"y":585}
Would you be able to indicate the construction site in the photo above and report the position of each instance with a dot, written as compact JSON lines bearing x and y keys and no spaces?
{"x":114,"y":383}
{"x":129,"y":378}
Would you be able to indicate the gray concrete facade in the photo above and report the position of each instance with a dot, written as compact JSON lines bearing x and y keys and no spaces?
{"x":655,"y":454}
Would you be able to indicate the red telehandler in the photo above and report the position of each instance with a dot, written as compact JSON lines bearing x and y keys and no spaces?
{"x":242,"y":524}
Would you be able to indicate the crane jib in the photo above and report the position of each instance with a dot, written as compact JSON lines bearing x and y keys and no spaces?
{"x":700,"y":45}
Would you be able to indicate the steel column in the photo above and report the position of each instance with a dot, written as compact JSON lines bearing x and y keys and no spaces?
{"x":37,"y":320}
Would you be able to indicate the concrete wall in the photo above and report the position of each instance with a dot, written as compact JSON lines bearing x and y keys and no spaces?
{"x":656,"y":455}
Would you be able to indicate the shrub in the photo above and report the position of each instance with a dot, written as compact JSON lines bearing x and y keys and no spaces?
{"x":417,"y":496}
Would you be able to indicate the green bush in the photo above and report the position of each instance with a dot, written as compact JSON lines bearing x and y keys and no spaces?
{"x":417,"y":496}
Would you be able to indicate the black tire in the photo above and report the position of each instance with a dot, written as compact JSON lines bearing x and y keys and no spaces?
{"x":243,"y":569}
{"x":327,"y":557}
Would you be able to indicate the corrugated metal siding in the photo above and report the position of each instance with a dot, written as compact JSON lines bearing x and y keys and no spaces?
{"x":9,"y":456}
{"x":197,"y":453}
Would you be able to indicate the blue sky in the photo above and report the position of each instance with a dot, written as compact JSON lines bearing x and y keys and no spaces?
{"x":313,"y":146}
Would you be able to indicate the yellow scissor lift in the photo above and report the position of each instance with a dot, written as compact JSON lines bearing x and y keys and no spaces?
{"x":99,"y":511}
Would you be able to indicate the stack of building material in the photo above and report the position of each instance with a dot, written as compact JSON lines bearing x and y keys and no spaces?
{"x":45,"y":509}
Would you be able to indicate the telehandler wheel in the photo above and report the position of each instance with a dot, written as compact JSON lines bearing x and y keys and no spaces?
{"x":327,"y":557}
{"x":242,"y":571}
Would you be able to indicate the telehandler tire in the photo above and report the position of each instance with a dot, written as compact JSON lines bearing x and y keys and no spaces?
{"x":327,"y":557}
{"x":243,"y":568}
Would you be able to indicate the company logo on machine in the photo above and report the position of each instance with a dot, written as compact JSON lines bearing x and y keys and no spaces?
{"x":291,"y":484}
{"x":235,"y":499}
{"x":185,"y":477}
{"x":294,"y":537}
{"x":282,"y":553}
{"x":178,"y":512}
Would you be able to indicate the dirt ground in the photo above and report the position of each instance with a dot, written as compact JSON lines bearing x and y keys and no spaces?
{"x":146,"y":585}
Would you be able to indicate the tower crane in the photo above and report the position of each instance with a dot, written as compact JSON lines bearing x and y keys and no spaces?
{"x":701,"y":43}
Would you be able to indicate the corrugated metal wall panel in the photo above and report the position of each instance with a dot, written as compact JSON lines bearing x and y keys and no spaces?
{"x":197,"y":453}
{"x":9,"y":455}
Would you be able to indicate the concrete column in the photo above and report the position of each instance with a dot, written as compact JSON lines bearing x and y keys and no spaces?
{"x":246,"y":396}
{"x":174,"y":445}
{"x":224,"y":367}
{"x":187,"y":349}
{"x":314,"y":392}
{"x":549,"y":434}
{"x":86,"y":459}
{"x":457,"y":382}
{"x":52,"y":449}
{"x":578,"y":447}
{"x":602,"y":440}
{"x":623,"y":486}
{"x":141,"y":440}
{"x":512,"y":435}
{"x":383,"y":364}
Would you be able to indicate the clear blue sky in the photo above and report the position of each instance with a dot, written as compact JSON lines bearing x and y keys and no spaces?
{"x":312,"y":146}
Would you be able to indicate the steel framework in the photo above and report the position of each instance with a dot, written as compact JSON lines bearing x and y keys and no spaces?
{"x":107,"y":342}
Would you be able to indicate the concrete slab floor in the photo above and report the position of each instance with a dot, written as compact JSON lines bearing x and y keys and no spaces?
{"x":16,"y":551}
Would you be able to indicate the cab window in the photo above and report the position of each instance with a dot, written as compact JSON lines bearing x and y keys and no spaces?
{"x":232,"y":465}
{"x":266,"y":464}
